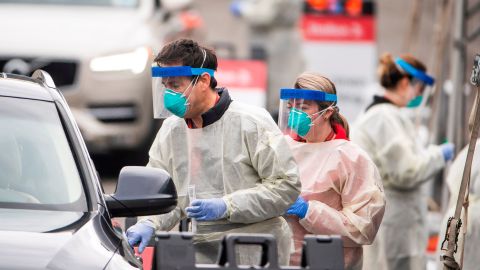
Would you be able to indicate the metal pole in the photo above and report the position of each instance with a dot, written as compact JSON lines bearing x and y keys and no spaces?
{"x":458,"y":75}
{"x":458,"y":68}
{"x":442,"y":34}
{"x":410,"y":43}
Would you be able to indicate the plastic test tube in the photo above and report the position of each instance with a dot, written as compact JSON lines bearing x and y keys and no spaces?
{"x":192,"y":196}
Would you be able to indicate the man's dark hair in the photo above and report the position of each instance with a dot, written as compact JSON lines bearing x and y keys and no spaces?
{"x":188,"y":52}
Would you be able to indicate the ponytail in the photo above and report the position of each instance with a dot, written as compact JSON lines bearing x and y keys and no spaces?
{"x":338,"y":118}
{"x":388,"y":72}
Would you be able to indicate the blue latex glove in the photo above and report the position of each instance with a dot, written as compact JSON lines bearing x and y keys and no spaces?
{"x":298,"y":208}
{"x":139,"y":232}
{"x":448,"y":150}
{"x":236,"y":9}
{"x":207,"y":209}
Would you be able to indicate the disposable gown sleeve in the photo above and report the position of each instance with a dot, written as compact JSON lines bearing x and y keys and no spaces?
{"x":455,"y":174}
{"x":278,"y":185}
{"x":402,"y":163}
{"x":363,"y":201}
{"x":406,"y":164}
{"x":164,"y":222}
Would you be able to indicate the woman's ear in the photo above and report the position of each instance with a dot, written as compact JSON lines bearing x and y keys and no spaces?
{"x":328,"y":114}
{"x":403,"y":84}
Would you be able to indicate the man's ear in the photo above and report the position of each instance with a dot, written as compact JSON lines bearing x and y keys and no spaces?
{"x":204,"y":79}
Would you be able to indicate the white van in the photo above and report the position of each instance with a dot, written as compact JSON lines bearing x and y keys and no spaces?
{"x":99,"y":53}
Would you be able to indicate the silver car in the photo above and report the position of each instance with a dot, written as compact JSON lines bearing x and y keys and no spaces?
{"x":53,"y":212}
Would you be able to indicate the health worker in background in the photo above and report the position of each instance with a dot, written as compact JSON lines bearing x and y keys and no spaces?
{"x":389,"y":137}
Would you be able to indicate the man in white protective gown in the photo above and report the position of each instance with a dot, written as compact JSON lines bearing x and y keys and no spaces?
{"x":244,"y":174}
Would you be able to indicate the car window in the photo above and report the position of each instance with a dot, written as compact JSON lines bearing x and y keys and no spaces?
{"x":37,"y":167}
{"x":113,"y":3}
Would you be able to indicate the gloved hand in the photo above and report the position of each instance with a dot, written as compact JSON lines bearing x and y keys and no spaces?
{"x":298,"y":208}
{"x":207,"y":209}
{"x":448,"y":150}
{"x":236,"y":8}
{"x":140,"y":232}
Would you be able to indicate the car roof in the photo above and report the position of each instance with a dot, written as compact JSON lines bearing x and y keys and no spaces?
{"x":12,"y":85}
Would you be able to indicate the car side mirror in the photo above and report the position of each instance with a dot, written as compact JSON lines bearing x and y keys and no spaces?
{"x":142,"y":191}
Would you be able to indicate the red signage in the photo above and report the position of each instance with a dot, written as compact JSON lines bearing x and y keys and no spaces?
{"x":244,"y":74}
{"x":338,"y":28}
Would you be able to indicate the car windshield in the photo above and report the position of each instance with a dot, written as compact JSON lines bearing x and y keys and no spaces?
{"x":112,"y":3}
{"x":37,"y":166}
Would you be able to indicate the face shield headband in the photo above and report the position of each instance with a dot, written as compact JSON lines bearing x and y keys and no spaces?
{"x":419,"y":77}
{"x":292,"y":93}
{"x":416,"y":73}
{"x":293,"y":118}
{"x":168,"y":102}
{"x":184,"y":71}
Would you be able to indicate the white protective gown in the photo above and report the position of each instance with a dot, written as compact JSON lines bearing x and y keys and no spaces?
{"x":242,"y":157}
{"x":471,"y":259}
{"x":389,"y":137}
{"x":344,"y":193}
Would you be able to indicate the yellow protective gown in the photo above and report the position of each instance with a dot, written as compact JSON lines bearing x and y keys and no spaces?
{"x":389,"y":137}
{"x":344,"y":194}
{"x":242,"y":158}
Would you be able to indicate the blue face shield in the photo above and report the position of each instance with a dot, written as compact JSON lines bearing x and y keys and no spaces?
{"x":419,"y":76}
{"x":293,"y":117}
{"x":167,"y":101}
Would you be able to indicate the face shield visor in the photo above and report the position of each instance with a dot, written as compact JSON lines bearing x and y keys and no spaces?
{"x":299,"y":108}
{"x":419,"y":82}
{"x":171,"y":88}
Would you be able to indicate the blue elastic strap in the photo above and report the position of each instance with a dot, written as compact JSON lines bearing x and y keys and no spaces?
{"x":418,"y":74}
{"x":180,"y":71}
{"x":200,"y":71}
{"x":288,"y":93}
